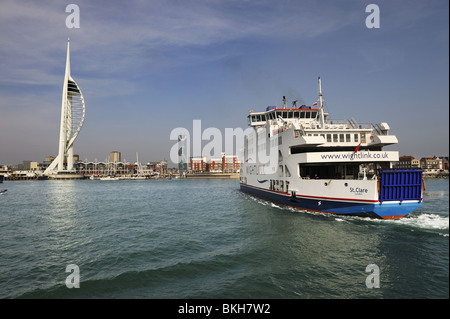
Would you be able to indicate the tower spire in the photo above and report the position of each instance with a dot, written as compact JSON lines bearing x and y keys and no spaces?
{"x":72,"y":118}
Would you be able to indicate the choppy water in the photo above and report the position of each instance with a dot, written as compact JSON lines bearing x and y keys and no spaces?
{"x":205,"y":239}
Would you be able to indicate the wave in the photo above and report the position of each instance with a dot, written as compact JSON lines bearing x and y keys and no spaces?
{"x":183,"y":278}
{"x":427,"y":221}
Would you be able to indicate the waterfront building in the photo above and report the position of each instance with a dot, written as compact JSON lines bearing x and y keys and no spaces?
{"x":444,"y":162}
{"x":25,"y":166}
{"x":230,"y":163}
{"x":429,"y":163}
{"x":215,"y":165}
{"x":5,"y":169}
{"x":408,"y":162}
{"x":115,"y":157}
{"x":198,"y":164}
{"x":223,"y":164}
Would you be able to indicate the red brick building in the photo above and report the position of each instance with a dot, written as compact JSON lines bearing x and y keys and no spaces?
{"x":230,"y":163}
{"x":215,"y":165}
{"x":198,"y":164}
{"x":225,"y":164}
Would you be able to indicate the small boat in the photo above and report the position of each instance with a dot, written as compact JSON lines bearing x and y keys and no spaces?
{"x":109,"y":178}
{"x":2,"y":191}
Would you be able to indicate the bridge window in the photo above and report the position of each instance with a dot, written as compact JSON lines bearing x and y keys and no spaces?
{"x":363,"y":137}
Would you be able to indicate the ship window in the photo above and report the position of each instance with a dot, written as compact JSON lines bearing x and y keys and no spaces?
{"x":263,"y":117}
{"x":313,"y":115}
{"x":341,"y":137}
{"x":335,"y":137}
{"x":285,"y":115}
{"x":302,"y":115}
{"x":347,"y":137}
{"x":290,"y":114}
{"x":328,"y":137}
{"x":258,"y":118}
{"x":278,"y":114}
{"x":308,"y":115}
{"x":356,"y":137}
{"x":363,"y":137}
{"x":296,"y":115}
{"x":253,"y":118}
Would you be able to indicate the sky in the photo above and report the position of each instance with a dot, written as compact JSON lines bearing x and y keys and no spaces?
{"x":148,"y":67}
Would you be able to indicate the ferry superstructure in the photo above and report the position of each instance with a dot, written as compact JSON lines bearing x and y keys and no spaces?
{"x":299,"y":157}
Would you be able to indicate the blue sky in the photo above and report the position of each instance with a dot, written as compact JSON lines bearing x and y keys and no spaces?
{"x":147,"y":67}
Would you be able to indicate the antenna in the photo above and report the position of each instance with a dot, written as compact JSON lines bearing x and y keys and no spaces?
{"x":322,"y":119}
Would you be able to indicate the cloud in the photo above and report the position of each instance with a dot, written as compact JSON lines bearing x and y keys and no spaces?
{"x":116,"y":38}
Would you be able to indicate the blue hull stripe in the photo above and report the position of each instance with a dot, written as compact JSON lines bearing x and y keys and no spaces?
{"x":369,"y":209}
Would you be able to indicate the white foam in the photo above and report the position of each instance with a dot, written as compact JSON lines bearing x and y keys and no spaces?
{"x":427,"y":221}
{"x":436,"y":194}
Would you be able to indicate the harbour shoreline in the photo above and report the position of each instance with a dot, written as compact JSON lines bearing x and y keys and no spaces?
{"x":187,"y":176}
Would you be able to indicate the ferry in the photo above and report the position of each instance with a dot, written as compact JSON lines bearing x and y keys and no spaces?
{"x":298,"y":156}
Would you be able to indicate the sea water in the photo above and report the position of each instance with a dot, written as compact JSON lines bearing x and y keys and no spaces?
{"x":205,"y":239}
